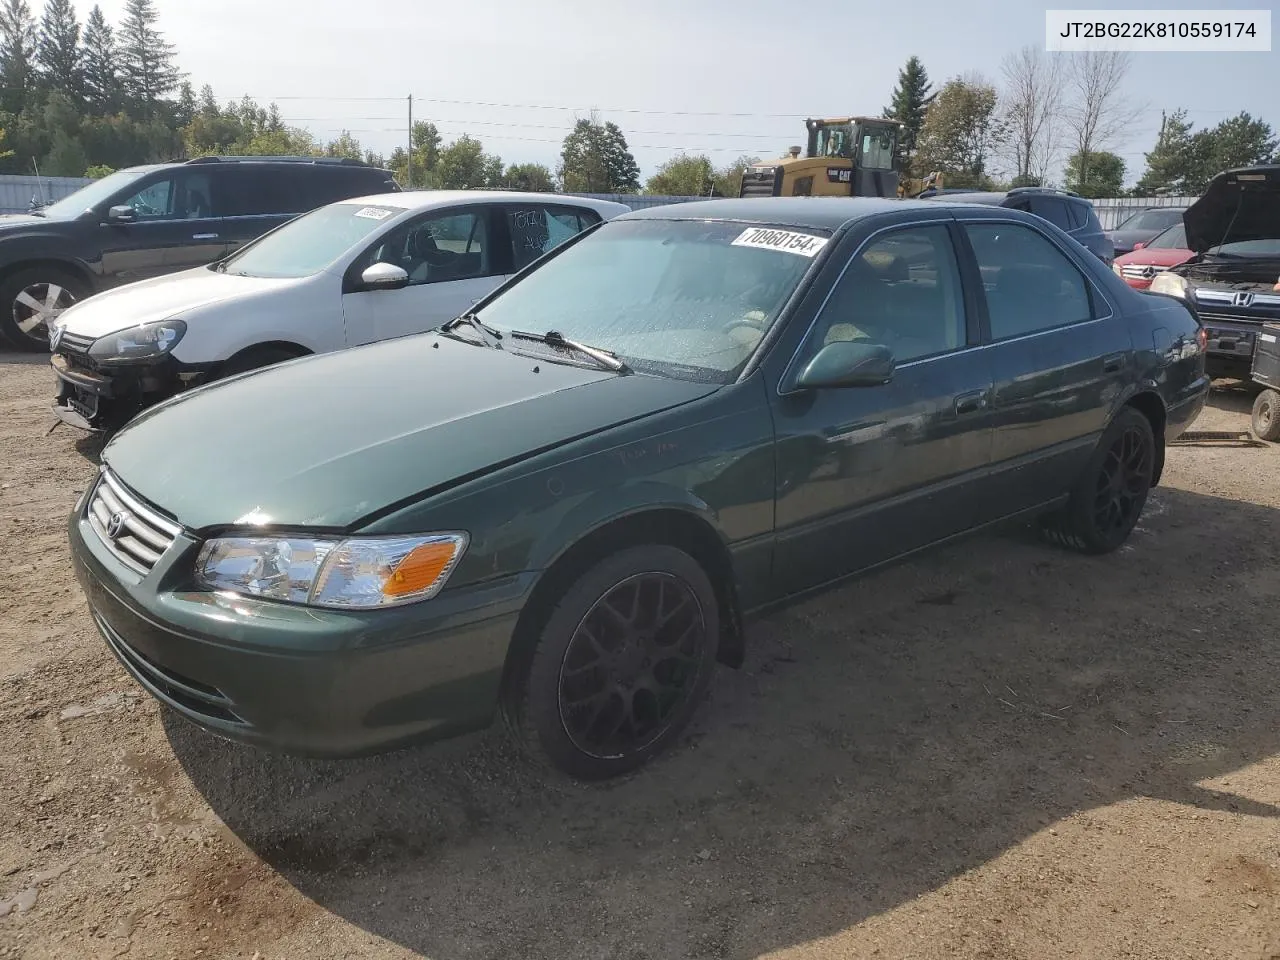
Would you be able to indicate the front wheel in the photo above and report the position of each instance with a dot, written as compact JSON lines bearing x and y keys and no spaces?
{"x":1109,"y":495}
{"x":30,"y":300}
{"x":621,"y":664}
{"x":1266,"y":415}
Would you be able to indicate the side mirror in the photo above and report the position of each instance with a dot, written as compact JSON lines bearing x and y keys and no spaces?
{"x":848,"y":364}
{"x":1139,"y":245}
{"x":384,"y":276}
{"x":122,"y":214}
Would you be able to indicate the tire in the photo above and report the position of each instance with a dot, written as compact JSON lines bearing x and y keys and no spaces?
{"x":30,"y":298}
{"x":1107,"y":499}
{"x":1266,"y":415}
{"x":255,"y":358}
{"x":580,"y":682}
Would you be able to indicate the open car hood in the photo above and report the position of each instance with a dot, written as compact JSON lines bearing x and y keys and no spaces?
{"x":1237,"y":205}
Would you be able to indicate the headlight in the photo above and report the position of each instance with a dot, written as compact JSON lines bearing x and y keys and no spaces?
{"x":142,"y":342}
{"x":355,"y":573}
{"x":1171,"y":283}
{"x":1117,"y":269}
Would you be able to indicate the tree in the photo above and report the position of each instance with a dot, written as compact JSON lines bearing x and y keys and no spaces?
{"x":98,"y":59}
{"x":345,"y":146}
{"x":1099,"y":110}
{"x":530,"y":177}
{"x":1169,"y":164}
{"x":184,"y":110}
{"x":17,"y":54}
{"x":728,"y":180}
{"x":909,"y":104}
{"x":960,"y":131}
{"x":683,"y":176}
{"x":58,"y":48}
{"x":1101,"y":174}
{"x":1031,"y":99}
{"x":464,"y":164}
{"x":595,"y":159}
{"x":66,"y":157}
{"x":146,"y":58}
{"x":1239,"y":141}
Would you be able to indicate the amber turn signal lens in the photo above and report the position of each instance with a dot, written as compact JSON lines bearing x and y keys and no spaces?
{"x":419,"y":569}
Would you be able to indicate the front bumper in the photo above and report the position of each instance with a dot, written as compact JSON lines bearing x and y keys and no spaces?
{"x":1230,"y":348}
{"x":320,"y":683}
{"x":97,"y":399}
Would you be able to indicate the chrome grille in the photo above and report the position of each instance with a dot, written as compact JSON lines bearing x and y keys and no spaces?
{"x":1145,"y":271}
{"x":74,"y":343}
{"x":135,"y":533}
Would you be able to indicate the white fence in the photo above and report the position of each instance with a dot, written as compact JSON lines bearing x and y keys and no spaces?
{"x":16,"y":194}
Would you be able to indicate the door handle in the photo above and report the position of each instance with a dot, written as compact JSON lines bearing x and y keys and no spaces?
{"x":1113,"y":363}
{"x":204,"y":236}
{"x":971,"y":402}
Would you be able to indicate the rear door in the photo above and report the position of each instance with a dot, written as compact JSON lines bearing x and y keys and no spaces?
{"x":868,"y":473}
{"x":256,"y":198}
{"x":1060,"y":354}
{"x":452,"y":258}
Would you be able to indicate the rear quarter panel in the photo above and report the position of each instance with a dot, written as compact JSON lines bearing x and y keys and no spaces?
{"x":1169,"y":359}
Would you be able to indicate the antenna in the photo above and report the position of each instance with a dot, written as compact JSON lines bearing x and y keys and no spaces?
{"x":39,"y":185}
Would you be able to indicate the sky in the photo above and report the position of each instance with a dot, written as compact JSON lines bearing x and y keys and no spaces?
{"x":707,"y":76}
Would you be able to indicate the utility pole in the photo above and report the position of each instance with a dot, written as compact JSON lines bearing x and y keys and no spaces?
{"x":408,"y":175}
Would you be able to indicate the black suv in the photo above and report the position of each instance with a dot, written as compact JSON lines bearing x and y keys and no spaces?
{"x":145,"y":221}
{"x":1064,"y":209}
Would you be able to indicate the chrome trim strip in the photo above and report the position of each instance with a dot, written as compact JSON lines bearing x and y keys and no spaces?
{"x":146,"y":513}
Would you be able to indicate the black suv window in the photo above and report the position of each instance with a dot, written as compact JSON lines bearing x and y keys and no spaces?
{"x":1079,"y":213}
{"x":320,"y":185}
{"x":256,"y":190}
{"x":1052,"y":209}
{"x":182,"y":195}
{"x":902,"y":291}
{"x":536,"y":229}
{"x":1030,"y":284}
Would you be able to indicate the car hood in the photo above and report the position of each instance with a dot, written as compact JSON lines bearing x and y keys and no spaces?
{"x":326,"y":441}
{"x":10,"y":220}
{"x":160,"y":298}
{"x":1167,"y":257}
{"x":1237,"y":205}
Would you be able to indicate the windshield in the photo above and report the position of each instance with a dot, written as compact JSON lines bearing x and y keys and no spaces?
{"x":835,"y":141}
{"x":1249,"y":248}
{"x":685,"y":299}
{"x":305,"y":246}
{"x":1152,"y":220}
{"x":91,"y":195}
{"x":1175,"y":238}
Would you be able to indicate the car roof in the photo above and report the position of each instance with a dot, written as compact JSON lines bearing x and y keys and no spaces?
{"x":822,"y":213}
{"x":977,"y":196}
{"x":417,"y":200}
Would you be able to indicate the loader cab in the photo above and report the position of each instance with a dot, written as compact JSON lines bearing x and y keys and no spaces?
{"x":844,"y":157}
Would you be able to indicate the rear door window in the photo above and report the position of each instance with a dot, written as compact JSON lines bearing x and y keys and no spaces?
{"x":258,"y":191}
{"x":536,"y":229}
{"x":1052,"y":209}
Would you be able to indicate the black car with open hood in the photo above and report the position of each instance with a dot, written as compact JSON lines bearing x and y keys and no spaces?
{"x":1234,"y":229}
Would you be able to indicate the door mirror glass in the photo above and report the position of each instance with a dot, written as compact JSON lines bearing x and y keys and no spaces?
{"x":121,"y":214}
{"x":846,"y":363}
{"x":384,"y":276}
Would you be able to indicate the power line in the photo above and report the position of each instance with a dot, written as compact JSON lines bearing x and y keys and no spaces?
{"x":534,"y":126}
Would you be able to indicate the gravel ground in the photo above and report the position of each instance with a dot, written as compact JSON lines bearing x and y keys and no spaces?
{"x":998,"y":750}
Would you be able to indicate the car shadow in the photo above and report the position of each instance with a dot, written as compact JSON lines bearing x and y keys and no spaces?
{"x":879,"y":741}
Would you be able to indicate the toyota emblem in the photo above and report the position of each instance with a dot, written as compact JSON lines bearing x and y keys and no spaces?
{"x":1242,"y":299}
{"x":116,"y":524}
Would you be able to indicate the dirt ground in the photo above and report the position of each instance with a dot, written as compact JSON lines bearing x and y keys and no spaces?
{"x":998,"y":750}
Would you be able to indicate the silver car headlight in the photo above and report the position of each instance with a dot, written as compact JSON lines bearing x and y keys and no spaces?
{"x":1171,"y":283}
{"x":146,"y":341}
{"x":352,"y":573}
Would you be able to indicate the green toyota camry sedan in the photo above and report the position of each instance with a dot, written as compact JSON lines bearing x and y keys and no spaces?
{"x":562,"y":506}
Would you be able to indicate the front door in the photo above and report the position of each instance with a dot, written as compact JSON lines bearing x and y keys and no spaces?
{"x":176,"y":227}
{"x":451,"y":263}
{"x":868,"y":473}
{"x":1060,"y":357}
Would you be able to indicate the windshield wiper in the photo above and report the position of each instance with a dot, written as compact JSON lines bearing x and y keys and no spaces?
{"x":553,"y":338}
{"x":491,"y":337}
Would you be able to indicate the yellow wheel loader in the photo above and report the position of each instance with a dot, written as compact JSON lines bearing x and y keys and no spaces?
{"x":844,"y":157}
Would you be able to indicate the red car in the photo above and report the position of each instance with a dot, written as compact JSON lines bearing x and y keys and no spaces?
{"x":1167,"y":250}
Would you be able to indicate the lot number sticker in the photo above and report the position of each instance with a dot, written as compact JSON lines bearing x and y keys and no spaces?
{"x":373,"y":213}
{"x":788,"y":241}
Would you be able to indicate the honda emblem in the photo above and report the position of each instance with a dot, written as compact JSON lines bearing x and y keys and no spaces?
{"x":1242,"y":299}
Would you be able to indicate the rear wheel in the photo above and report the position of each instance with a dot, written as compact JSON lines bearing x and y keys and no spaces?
{"x":621,"y":664}
{"x":31,"y":299}
{"x":1108,"y":498}
{"x":1266,"y":415}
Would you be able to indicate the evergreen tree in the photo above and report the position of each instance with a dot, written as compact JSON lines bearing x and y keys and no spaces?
{"x":910,"y":101}
{"x":17,"y":54}
{"x":58,"y":48}
{"x":1170,"y":162}
{"x":146,"y":58}
{"x":98,"y":64}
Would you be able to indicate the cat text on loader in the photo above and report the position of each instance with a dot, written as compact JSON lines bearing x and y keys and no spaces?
{"x":845,"y":157}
